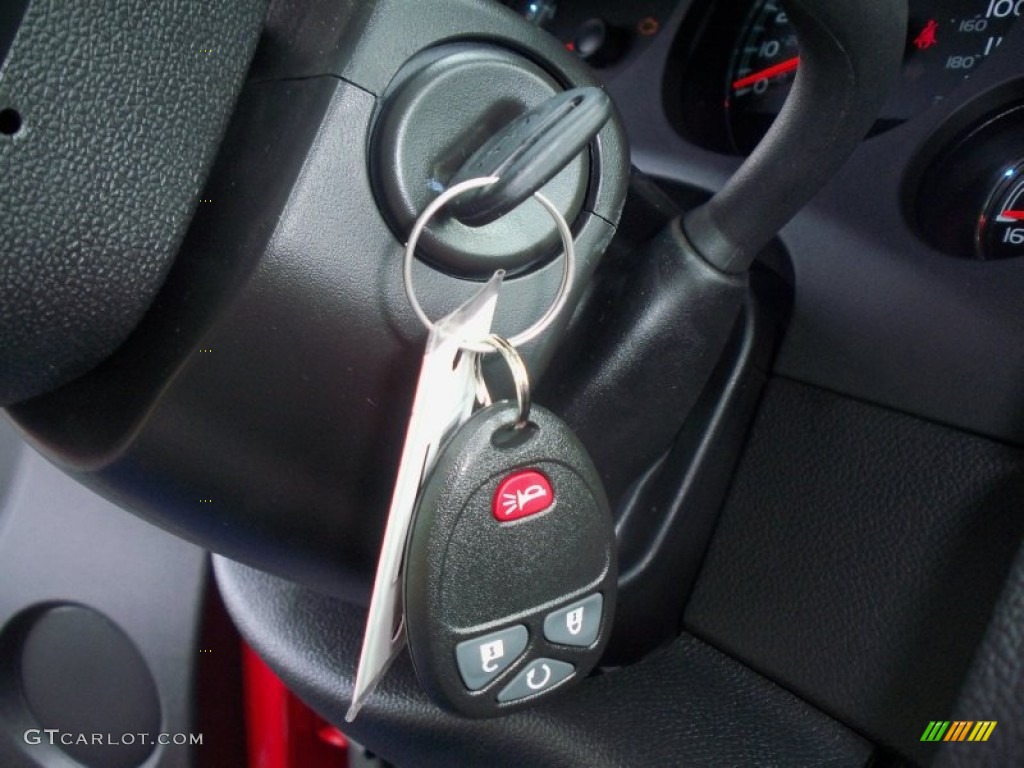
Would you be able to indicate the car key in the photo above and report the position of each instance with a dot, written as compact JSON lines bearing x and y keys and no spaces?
{"x":444,"y":398}
{"x":510,"y":573}
{"x":445,"y":395}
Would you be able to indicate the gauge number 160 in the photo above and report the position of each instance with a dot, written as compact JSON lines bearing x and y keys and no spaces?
{"x":1014,"y":236}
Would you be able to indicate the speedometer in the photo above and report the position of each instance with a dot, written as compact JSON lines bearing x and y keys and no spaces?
{"x":946,"y":41}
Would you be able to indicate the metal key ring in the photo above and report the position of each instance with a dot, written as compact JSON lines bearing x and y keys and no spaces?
{"x":520,"y":376}
{"x":567,"y":273}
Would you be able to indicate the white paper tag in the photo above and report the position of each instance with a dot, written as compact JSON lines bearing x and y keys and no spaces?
{"x":445,"y":395}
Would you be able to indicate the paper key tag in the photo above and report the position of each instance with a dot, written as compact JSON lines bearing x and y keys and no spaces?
{"x":444,"y":399}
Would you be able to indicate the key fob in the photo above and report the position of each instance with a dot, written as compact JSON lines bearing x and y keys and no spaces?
{"x":511,"y":572}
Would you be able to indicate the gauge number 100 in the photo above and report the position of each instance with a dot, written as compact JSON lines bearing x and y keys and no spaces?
{"x":1000,"y":9}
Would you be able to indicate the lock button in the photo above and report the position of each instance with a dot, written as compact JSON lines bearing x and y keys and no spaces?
{"x":482,"y":659}
{"x":575,"y":624}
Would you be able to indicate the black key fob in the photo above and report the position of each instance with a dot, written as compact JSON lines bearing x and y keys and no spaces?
{"x":510,"y":571}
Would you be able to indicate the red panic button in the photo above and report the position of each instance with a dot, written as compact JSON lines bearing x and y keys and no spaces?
{"x":522,"y":494}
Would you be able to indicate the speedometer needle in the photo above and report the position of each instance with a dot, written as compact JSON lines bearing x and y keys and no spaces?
{"x":775,"y":69}
{"x":1015,"y":215}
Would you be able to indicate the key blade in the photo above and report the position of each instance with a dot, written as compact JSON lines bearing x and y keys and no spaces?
{"x":444,"y":399}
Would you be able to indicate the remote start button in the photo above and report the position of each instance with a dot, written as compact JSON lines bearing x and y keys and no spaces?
{"x":538,"y":676}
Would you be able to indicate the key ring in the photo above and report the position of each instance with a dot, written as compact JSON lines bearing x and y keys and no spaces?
{"x":520,"y":376}
{"x":561,"y":298}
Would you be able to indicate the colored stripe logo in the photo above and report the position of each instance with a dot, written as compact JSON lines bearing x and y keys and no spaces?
{"x":958,"y":730}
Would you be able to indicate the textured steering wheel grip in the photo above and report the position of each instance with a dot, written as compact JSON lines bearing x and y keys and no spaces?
{"x":850,"y":54}
{"x":122,"y":105}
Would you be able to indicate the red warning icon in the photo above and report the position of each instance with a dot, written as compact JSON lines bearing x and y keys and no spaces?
{"x":926,"y":37}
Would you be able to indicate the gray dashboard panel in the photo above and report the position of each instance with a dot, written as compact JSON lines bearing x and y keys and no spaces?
{"x":60,"y":542}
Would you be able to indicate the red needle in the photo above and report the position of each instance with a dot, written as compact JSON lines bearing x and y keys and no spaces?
{"x":1017,"y":215}
{"x":775,"y":69}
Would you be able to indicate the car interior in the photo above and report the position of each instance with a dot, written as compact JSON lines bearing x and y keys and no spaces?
{"x":738,"y":479}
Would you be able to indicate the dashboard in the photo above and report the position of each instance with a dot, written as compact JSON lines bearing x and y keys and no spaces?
{"x":751,"y":58}
{"x":907,"y":265}
{"x":868,"y":521}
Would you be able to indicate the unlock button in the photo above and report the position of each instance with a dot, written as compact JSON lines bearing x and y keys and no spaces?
{"x":482,"y":659}
{"x":575,"y":624}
